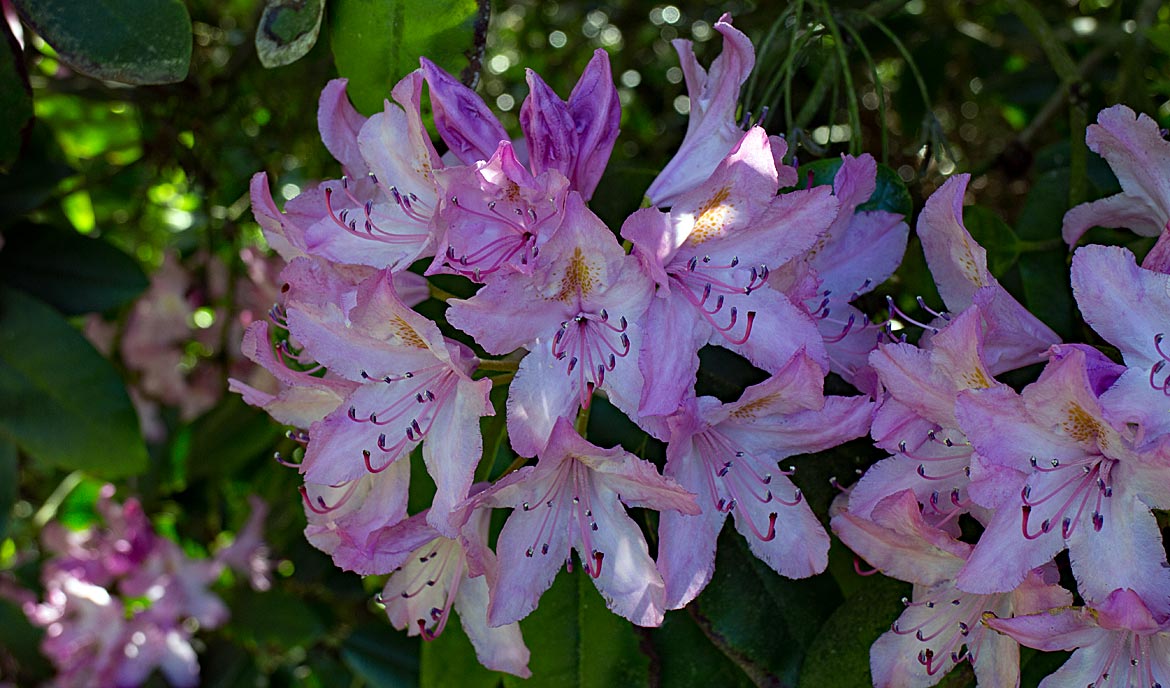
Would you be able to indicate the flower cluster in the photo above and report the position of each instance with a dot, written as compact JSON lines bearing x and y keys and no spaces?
{"x":731,"y":251}
{"x":722,"y":257}
{"x":1076,"y":460}
{"x":120,"y":601}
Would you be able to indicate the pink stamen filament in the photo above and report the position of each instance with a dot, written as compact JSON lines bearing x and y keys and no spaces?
{"x":371,"y":229}
{"x":1090,"y":474}
{"x":571,"y":487}
{"x":421,"y":403}
{"x":732,"y":471}
{"x":586,"y":342}
{"x":520,"y":237}
{"x":1159,"y":366}
{"x":958,"y":617}
{"x":319,"y":505}
{"x":695,"y":281}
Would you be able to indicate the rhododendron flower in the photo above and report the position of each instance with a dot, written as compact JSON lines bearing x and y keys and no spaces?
{"x":710,"y":256}
{"x":712,"y":129}
{"x":382,"y":216}
{"x":572,"y":499}
{"x":1085,"y":486}
{"x":414,"y":386}
{"x":942,"y":625}
{"x":1135,"y":149}
{"x":579,"y":315}
{"x":574,"y":138}
{"x":916,"y":422}
{"x":1130,"y":307}
{"x":859,"y":251}
{"x":93,"y":636}
{"x":495,"y":214}
{"x":433,"y":574}
{"x":1015,"y":338}
{"x":728,"y":454}
{"x":1118,"y":641}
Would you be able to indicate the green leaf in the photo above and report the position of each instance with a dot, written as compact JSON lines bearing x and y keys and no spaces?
{"x":273,"y":619}
{"x":688,"y":659}
{"x":60,"y":400}
{"x":288,"y":29}
{"x":765,"y":623}
{"x":21,"y":640}
{"x":226,"y":438}
{"x":9,"y":483}
{"x":382,"y":656}
{"x":994,"y":235}
{"x":35,"y":175}
{"x":16,"y":108}
{"x":839,"y":656}
{"x":73,"y":273}
{"x":129,"y":41}
{"x":377,"y":42}
{"x":576,"y":641}
{"x":890,"y":193}
{"x":449,"y":660}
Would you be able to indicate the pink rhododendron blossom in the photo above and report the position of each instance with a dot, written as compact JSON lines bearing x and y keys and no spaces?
{"x":1085,"y":486}
{"x":728,"y":453}
{"x":495,"y":215}
{"x":433,"y":574}
{"x":1130,"y":307}
{"x":579,"y":315}
{"x":859,"y":251}
{"x":93,"y":635}
{"x":1118,"y":641}
{"x":1133,"y":146}
{"x":942,"y":625}
{"x":381,"y":218}
{"x":1015,"y":337}
{"x":712,"y":130}
{"x":916,"y":423}
{"x":710,"y":257}
{"x":573,"y":499}
{"x":413,"y":385}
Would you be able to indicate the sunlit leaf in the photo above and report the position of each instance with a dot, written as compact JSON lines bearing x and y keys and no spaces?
{"x":120,"y":40}
{"x":890,"y":193}
{"x":72,"y":273}
{"x":576,"y":641}
{"x":377,"y":42}
{"x":60,"y":400}
{"x":15,"y":98}
{"x":288,"y":29}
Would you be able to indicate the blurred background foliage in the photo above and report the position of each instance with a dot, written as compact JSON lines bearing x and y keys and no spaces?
{"x":108,"y":184}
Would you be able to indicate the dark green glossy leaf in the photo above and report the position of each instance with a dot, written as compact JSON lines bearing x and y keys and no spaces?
{"x":449,"y":660}
{"x":226,"y":438}
{"x":73,"y":273}
{"x":120,"y":40}
{"x":9,"y":483}
{"x":274,"y":618}
{"x":288,"y":29}
{"x":35,"y":175}
{"x":890,"y":193}
{"x":686,"y":657}
{"x":1044,"y":274}
{"x":382,"y":656}
{"x":60,"y":401}
{"x":377,"y":42}
{"x":765,"y":623}
{"x":839,"y":656}
{"x":993,"y":234}
{"x":16,"y":109}
{"x":576,"y":641}
{"x":20,"y":639}
{"x":724,"y":374}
